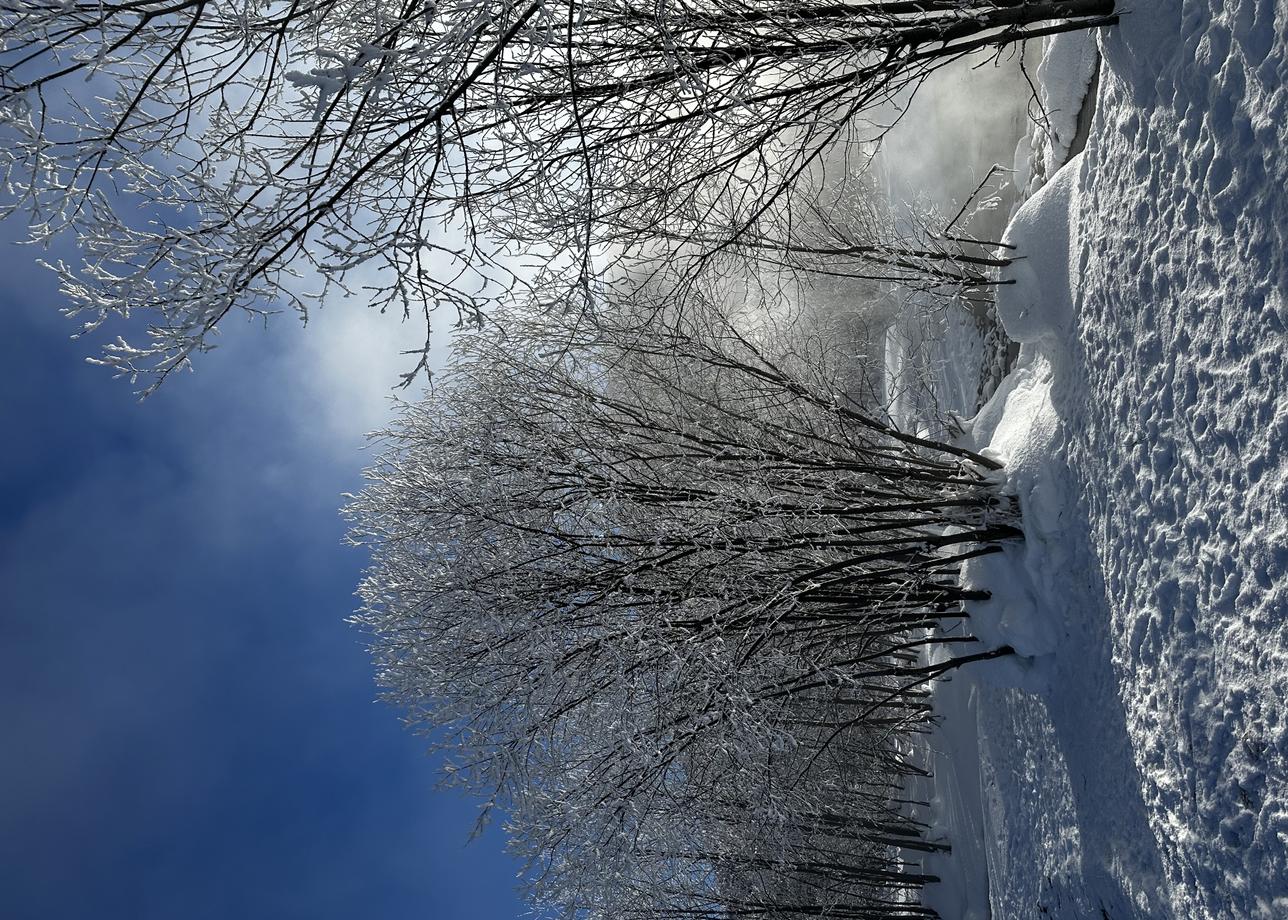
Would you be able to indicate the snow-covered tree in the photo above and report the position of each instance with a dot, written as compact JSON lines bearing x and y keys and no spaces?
{"x":205,"y":152}
{"x":664,"y":591}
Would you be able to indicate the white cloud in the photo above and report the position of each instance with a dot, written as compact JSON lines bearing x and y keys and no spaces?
{"x":345,"y":365}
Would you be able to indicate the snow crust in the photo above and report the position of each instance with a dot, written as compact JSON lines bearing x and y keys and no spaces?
{"x":1132,"y":761}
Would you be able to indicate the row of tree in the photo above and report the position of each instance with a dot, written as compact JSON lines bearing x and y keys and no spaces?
{"x":671,"y":589}
{"x":654,"y":563}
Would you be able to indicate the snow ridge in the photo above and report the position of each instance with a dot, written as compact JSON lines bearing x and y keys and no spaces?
{"x":1133,"y":761}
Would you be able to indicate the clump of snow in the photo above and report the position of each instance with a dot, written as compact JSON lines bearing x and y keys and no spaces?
{"x":1069,"y":61}
{"x":1065,"y":72}
{"x":1020,"y":424}
{"x":1034,"y":299}
{"x":1018,"y":428}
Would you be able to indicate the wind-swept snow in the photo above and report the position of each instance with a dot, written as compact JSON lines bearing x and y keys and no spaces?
{"x":1132,"y":759}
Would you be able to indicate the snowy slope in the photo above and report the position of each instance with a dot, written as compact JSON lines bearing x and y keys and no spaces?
{"x":1134,"y":764}
{"x":1179,"y":449}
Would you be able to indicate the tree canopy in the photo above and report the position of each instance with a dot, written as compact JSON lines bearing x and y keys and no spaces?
{"x":207,"y":153}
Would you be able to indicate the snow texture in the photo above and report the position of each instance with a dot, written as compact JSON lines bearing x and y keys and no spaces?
{"x":1131,"y":761}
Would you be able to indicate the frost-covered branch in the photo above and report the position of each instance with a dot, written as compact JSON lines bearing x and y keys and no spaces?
{"x":666,"y":590}
{"x":215,"y":156}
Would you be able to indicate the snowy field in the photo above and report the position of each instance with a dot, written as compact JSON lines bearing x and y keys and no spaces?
{"x":1132,"y":762}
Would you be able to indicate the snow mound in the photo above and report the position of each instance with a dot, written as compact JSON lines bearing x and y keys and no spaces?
{"x":1064,"y":75}
{"x":1139,"y":767}
{"x":1020,"y":422}
{"x":1018,"y":427}
{"x":1034,"y":300}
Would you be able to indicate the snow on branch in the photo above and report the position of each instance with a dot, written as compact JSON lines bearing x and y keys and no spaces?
{"x":219,"y":156}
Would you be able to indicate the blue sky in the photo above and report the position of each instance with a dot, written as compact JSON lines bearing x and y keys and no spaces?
{"x":188,"y":724}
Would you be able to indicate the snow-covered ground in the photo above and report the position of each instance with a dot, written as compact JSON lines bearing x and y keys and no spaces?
{"x":1132,"y":763}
